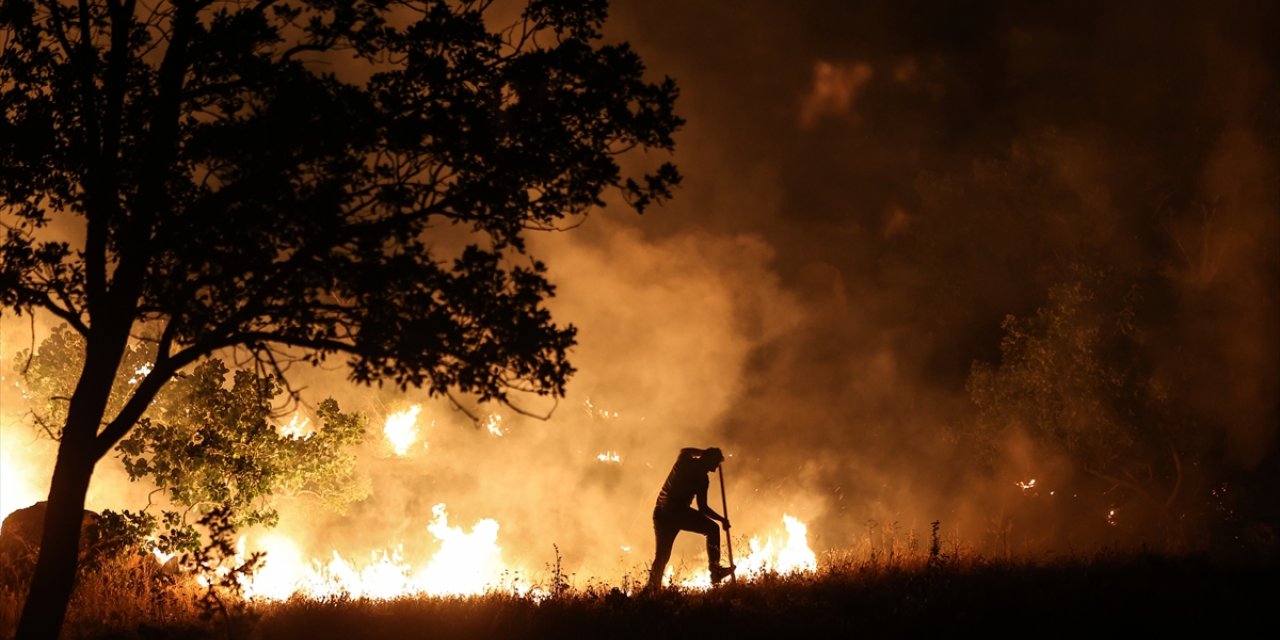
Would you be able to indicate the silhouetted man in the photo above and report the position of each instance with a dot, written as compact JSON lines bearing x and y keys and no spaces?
{"x":672,"y":514}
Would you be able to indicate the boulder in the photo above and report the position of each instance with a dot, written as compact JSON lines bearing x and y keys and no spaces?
{"x":20,"y":546}
{"x":20,"y":533}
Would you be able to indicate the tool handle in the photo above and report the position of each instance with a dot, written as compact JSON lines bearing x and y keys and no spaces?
{"x":728,"y":535}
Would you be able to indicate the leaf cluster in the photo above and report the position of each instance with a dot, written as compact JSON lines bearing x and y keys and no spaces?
{"x":207,"y":444}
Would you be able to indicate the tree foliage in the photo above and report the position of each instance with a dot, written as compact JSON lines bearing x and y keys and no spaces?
{"x":213,"y":446}
{"x":205,"y":444}
{"x":1077,"y":377}
{"x":254,"y":196}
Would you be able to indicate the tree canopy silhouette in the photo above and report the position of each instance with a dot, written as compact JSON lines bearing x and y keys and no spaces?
{"x":302,"y":179}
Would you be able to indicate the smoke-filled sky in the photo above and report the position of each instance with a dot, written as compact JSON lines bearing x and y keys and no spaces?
{"x":874,"y":186}
{"x":870,"y":188}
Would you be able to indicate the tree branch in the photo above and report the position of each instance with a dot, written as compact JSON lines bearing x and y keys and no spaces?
{"x":137,"y":404}
{"x":66,"y":314}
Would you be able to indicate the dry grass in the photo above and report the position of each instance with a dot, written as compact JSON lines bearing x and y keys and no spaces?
{"x":122,"y":594}
{"x":915,"y":596}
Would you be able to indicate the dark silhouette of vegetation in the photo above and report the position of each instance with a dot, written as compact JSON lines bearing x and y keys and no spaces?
{"x":295,"y":180}
{"x":1088,"y":379}
{"x":1109,"y":593}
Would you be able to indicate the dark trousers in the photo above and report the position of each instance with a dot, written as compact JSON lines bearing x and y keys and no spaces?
{"x":669,"y":522}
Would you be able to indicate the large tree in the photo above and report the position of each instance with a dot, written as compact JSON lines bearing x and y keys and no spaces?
{"x":299,"y":179}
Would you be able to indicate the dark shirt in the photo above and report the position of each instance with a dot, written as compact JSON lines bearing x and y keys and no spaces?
{"x":686,"y":480}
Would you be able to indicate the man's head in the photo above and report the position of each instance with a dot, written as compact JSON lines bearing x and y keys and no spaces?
{"x":712,"y":458}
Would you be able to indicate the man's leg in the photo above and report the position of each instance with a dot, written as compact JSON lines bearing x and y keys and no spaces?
{"x":691,"y":520}
{"x":664,"y":534}
{"x":712,"y":531}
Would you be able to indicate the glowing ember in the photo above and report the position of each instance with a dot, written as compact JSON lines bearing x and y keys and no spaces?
{"x":609,"y":456}
{"x":1111,"y":517}
{"x":140,"y":373}
{"x":494,"y":424}
{"x":1027,"y":486}
{"x":401,"y":429}
{"x":596,"y":412}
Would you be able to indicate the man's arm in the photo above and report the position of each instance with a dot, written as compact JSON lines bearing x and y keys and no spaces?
{"x":706,"y":510}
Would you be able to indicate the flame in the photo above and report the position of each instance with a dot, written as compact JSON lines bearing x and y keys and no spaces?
{"x":297,"y":429}
{"x":466,"y":564}
{"x":609,"y":456}
{"x":140,"y":373}
{"x":786,"y":555}
{"x":160,"y":556}
{"x":283,"y":570}
{"x":1026,"y":486}
{"x":494,"y":424}
{"x":401,"y":429}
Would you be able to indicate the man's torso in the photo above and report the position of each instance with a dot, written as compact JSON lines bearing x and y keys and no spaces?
{"x":684,"y":482}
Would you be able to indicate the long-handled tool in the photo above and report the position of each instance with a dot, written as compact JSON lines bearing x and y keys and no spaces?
{"x":728,"y":535}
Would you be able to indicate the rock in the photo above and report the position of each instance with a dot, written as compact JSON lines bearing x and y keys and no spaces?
{"x":20,"y":533}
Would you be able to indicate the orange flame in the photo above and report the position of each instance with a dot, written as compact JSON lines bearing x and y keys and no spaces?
{"x":786,"y":555}
{"x":401,"y":429}
{"x":468,"y":563}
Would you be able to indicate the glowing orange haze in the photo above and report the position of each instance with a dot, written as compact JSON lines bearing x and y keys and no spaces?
{"x":468,"y":559}
{"x":457,"y":508}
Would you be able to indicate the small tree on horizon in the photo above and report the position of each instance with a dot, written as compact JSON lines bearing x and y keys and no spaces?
{"x":1078,"y":378}
{"x":301,"y":179}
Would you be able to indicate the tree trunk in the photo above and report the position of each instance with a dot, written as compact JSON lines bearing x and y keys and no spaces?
{"x":55,"y":572}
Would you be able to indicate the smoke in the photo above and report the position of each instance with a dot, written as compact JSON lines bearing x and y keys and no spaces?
{"x":666,"y":331}
{"x":922,"y":171}
{"x":835,"y":89}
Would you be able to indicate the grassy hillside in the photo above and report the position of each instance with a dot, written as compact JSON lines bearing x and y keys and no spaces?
{"x":1103,"y":594}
